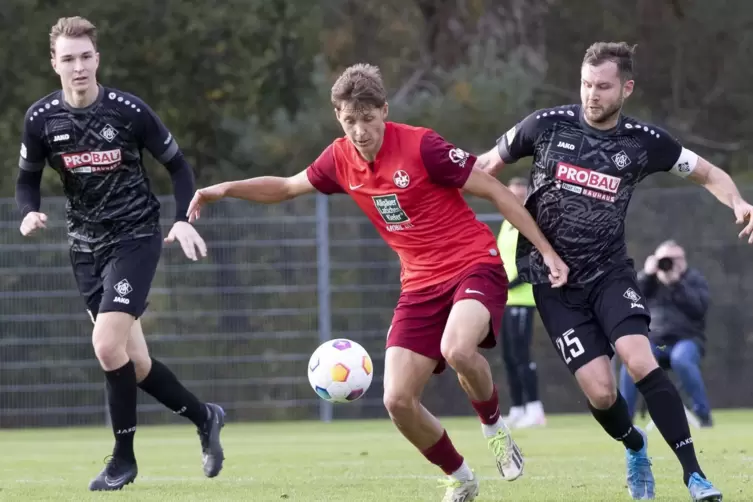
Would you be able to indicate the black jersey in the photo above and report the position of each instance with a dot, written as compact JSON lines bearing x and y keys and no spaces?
{"x":581,"y":184}
{"x":97,"y":151}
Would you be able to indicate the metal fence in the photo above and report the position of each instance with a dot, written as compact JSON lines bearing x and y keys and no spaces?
{"x":239,"y":326}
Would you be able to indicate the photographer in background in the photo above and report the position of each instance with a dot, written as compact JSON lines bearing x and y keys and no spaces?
{"x":677,"y":297}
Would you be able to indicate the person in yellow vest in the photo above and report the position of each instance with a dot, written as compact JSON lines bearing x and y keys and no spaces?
{"x":517,"y":330}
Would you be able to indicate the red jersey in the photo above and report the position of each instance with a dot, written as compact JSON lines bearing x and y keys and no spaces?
{"x":411,"y":193}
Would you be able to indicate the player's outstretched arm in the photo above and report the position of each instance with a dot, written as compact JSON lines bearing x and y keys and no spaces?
{"x":484,"y":185}
{"x":723,"y":187}
{"x":263,"y":189}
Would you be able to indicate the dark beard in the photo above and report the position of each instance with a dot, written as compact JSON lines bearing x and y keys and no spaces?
{"x":609,"y":113}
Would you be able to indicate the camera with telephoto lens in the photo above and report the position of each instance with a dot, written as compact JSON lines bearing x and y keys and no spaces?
{"x":665,"y":264}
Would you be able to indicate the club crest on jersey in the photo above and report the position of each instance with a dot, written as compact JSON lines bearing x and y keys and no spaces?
{"x":459,"y":156}
{"x":108,"y":133}
{"x":92,"y":162}
{"x":401,"y":179}
{"x":621,"y":160}
{"x":587,"y":182}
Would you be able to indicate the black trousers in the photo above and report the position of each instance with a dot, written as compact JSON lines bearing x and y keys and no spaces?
{"x":517,"y":332}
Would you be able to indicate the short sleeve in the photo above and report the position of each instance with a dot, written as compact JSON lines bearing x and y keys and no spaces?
{"x":666,"y":154}
{"x":154,"y":135}
{"x":520,"y":140}
{"x":446,"y":164}
{"x":33,"y":151}
{"x":323,"y":174}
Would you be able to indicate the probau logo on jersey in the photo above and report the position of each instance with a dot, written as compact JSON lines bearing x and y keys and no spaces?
{"x":392,"y":214}
{"x":587,"y":182}
{"x":92,"y":162}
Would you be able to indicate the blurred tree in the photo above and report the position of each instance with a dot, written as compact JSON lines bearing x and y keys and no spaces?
{"x":221,"y":72}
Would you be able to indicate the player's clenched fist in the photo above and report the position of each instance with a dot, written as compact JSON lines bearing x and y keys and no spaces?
{"x":33,"y":221}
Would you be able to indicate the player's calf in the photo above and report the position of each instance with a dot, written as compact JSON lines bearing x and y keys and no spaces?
{"x":109,"y":339}
{"x":467,"y":326}
{"x":662,"y":400}
{"x":607,"y":406}
{"x":405,"y":376}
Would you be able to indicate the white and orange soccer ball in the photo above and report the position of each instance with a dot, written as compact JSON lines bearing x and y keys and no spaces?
{"x":340,"y":371}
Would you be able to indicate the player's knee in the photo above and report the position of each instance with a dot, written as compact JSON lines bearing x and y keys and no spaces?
{"x":637,"y":355}
{"x":597,"y":383}
{"x":141,"y":365}
{"x":459,"y":356}
{"x":603,"y":397}
{"x":640,"y":364}
{"x":110,"y":351}
{"x":399,"y":404}
{"x":110,"y":338}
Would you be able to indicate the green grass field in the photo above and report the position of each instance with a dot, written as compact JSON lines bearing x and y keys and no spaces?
{"x":570,"y":459}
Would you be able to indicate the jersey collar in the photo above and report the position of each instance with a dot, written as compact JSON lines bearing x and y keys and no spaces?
{"x":100,"y":97}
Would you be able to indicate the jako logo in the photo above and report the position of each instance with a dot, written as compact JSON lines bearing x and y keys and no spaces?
{"x":567,"y":146}
{"x":119,"y":299}
{"x":61,"y":137}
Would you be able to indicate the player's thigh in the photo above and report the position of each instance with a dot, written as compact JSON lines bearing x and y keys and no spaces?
{"x":574,"y":331}
{"x":127,"y":276}
{"x":622,"y":312}
{"x":620,"y":308}
{"x":86,"y":272}
{"x":418,"y":323}
{"x":406,"y":373}
{"x":479,"y":300}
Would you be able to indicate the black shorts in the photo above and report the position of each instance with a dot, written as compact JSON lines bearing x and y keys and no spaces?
{"x":585,"y":322}
{"x":118,"y":277}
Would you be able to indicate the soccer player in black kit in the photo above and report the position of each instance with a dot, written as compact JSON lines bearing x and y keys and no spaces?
{"x":587,"y":161}
{"x":93,"y":136}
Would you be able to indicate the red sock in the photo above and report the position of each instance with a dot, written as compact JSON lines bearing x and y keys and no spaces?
{"x":488,"y":411}
{"x":444,"y":455}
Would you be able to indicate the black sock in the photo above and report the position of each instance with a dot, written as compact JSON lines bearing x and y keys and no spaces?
{"x":163,"y":385}
{"x":616,"y":421}
{"x":121,"y":398}
{"x":668,"y":413}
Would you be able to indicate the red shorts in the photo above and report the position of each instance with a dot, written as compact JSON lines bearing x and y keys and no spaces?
{"x":421,"y":315}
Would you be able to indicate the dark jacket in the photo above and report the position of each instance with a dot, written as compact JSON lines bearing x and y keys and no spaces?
{"x":678,"y":311}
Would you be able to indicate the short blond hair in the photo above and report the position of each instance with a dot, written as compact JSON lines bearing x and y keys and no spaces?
{"x":359,"y":86}
{"x":72,"y":27}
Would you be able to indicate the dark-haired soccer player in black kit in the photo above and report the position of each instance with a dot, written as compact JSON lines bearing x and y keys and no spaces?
{"x":93,"y":137}
{"x":587,"y":161}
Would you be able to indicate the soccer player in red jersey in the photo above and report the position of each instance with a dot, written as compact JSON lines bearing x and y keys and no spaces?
{"x":408,"y":181}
